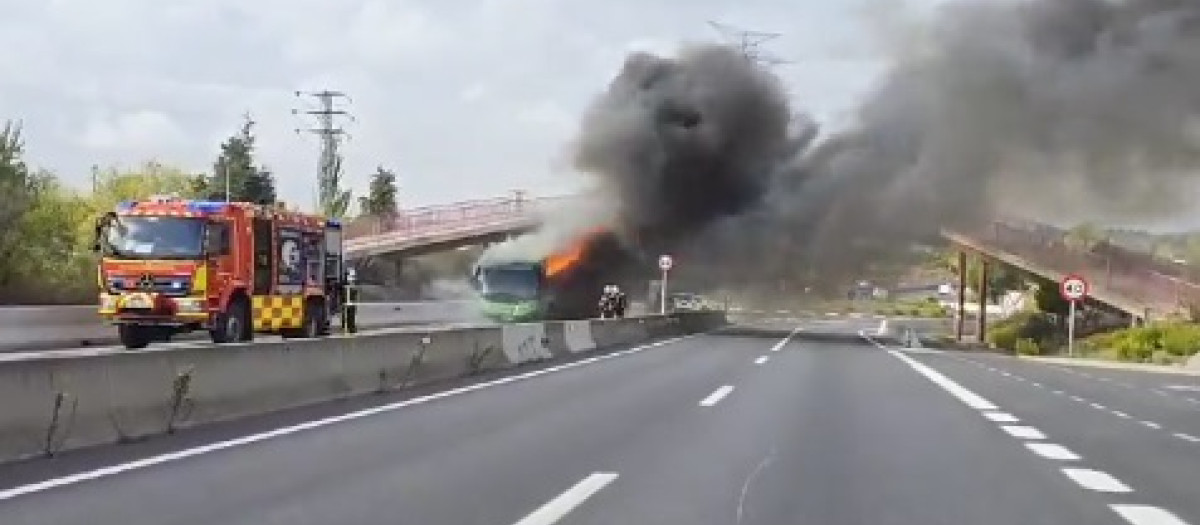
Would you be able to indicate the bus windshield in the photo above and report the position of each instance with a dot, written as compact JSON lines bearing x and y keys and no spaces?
{"x":510,"y":283}
{"x":155,"y":238}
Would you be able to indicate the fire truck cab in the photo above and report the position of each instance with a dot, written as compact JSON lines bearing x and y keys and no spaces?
{"x":170,"y":265}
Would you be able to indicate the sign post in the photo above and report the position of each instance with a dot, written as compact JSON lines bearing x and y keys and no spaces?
{"x":664,"y":263}
{"x":1074,"y":288}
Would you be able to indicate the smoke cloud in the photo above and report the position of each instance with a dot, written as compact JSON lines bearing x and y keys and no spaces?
{"x":1052,"y":109}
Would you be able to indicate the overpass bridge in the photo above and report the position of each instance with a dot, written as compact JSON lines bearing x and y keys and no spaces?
{"x":1135,"y":283}
{"x":448,"y":226}
{"x":1132,"y":282}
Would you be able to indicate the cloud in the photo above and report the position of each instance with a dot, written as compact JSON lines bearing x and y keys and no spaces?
{"x":444,"y":91}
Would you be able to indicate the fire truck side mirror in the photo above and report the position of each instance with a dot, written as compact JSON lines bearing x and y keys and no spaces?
{"x":216,"y":239}
{"x":103,"y":223}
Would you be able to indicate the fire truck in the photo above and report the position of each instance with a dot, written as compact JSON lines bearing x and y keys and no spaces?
{"x":169,"y":266}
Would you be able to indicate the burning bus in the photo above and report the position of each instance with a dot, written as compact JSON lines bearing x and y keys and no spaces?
{"x":563,"y":285}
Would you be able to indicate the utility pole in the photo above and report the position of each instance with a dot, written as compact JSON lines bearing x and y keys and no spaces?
{"x":331,"y":199}
{"x":748,"y":42}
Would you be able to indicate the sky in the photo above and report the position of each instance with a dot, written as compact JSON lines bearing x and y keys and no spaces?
{"x":463,"y":99}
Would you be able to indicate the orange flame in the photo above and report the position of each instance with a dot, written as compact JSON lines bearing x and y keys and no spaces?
{"x":566,"y":259}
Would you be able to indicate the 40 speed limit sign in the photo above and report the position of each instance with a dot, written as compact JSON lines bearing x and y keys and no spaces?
{"x":1073,"y":288}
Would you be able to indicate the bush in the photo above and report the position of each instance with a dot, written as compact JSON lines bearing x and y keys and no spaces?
{"x":1027,"y":346}
{"x":1034,"y":326}
{"x":1158,"y":342}
{"x":1003,"y":336}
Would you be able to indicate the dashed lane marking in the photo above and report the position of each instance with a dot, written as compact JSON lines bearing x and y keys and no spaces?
{"x":761,"y":360}
{"x":716,"y":396}
{"x":1053,"y":451}
{"x":1023,"y":432}
{"x":1096,"y":480}
{"x":564,"y":503}
{"x":1146,"y":515}
{"x":1001,"y":417}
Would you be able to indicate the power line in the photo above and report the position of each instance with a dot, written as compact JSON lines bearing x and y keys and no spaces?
{"x":331,"y":135}
{"x":748,"y":42}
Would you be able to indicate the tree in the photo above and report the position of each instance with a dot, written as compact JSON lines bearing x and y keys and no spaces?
{"x":1085,"y":236}
{"x":334,"y":201}
{"x":381,"y":199}
{"x":17,"y":194}
{"x":235,"y":167}
{"x":1049,"y":299}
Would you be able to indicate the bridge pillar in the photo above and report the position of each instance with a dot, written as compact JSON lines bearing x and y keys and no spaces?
{"x":983,"y":295}
{"x":960,"y":315}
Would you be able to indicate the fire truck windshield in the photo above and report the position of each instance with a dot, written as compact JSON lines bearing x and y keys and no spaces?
{"x":156,"y":238}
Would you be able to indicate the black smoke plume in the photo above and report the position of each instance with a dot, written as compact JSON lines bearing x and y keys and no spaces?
{"x":1050,"y":109}
{"x":1055,"y":109}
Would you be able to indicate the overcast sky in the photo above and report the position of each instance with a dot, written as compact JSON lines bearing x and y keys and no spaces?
{"x":463,"y":98}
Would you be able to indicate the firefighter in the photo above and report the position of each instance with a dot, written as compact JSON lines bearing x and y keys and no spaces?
{"x":350,"y":307}
{"x":612,"y":302}
{"x":622,"y":302}
{"x":608,"y":302}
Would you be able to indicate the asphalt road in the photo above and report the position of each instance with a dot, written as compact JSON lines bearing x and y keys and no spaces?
{"x":728,"y":428}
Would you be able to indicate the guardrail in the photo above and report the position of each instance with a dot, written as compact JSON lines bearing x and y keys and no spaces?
{"x":59,"y":403}
{"x":1109,"y":269}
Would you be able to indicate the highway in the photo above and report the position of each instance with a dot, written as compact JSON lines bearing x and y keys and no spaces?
{"x":769,"y":423}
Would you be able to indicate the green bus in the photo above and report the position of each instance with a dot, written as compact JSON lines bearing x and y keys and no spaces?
{"x":512,"y":292}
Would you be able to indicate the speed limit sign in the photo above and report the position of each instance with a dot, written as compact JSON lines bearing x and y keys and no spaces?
{"x":1073,"y":288}
{"x":665,"y":262}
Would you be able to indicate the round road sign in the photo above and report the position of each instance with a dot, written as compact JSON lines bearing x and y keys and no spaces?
{"x":665,"y":262}
{"x":1073,"y":288}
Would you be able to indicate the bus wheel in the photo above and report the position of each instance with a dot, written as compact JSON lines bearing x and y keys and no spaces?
{"x":133,"y":336}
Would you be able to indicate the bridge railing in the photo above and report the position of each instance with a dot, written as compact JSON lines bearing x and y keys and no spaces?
{"x":439,"y":218}
{"x":1118,"y":271}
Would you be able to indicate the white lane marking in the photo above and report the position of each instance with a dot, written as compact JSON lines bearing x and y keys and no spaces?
{"x":760,"y":360}
{"x":562,"y":505}
{"x":1023,"y":432}
{"x":1079,"y":399}
{"x":1036,"y":384}
{"x":783,"y":342}
{"x":1053,"y":451}
{"x":113,"y":470}
{"x":1006,"y":374}
{"x":1187,"y":437}
{"x":1120,"y":414}
{"x":1001,"y":417}
{"x":1098,"y":406}
{"x":716,"y":396}
{"x":1096,"y":480}
{"x":1057,"y":392}
{"x":1150,"y":424}
{"x":968,"y":397}
{"x":1146,"y":515}
{"x":1183,"y":388}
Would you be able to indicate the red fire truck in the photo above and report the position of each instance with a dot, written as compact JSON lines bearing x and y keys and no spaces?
{"x":169,"y":265}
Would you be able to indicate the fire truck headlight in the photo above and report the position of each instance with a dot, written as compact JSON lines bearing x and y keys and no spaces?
{"x":190,"y":305}
{"x":108,"y":303}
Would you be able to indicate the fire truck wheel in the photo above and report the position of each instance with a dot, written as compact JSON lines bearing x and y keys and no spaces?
{"x":133,"y":336}
{"x":231,"y":325}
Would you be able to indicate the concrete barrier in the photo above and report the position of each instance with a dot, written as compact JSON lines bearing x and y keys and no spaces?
{"x":34,"y":328}
{"x":53,"y":404}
